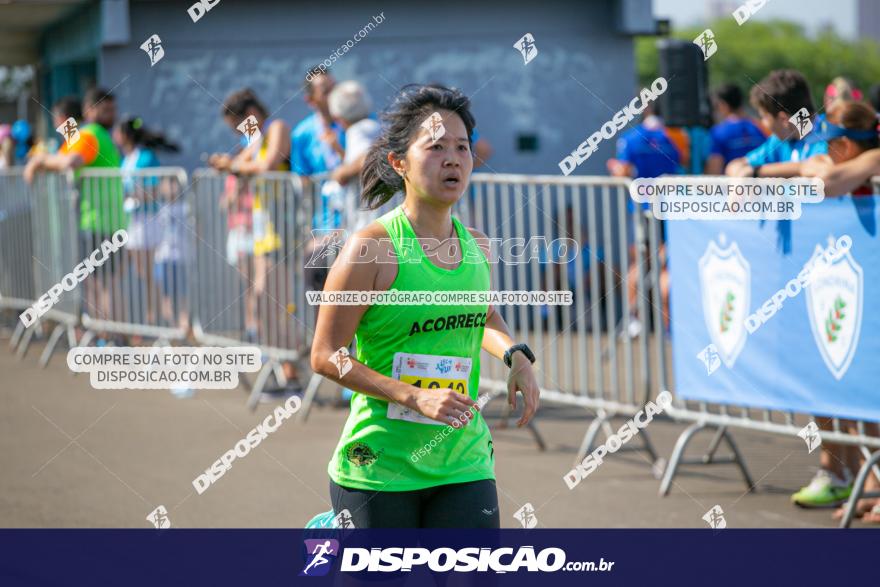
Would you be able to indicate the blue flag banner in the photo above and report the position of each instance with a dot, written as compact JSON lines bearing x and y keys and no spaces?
{"x":216,"y":558}
{"x":780,"y":314}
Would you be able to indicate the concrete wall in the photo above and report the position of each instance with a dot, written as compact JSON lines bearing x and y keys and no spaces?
{"x":584,"y":71}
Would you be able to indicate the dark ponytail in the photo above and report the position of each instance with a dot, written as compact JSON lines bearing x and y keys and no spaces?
{"x":401,"y":122}
{"x":134,"y":129}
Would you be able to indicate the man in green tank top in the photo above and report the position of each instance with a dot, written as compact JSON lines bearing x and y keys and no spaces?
{"x":415,"y":451}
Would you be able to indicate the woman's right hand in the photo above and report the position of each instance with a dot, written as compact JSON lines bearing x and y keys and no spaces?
{"x":445,"y":405}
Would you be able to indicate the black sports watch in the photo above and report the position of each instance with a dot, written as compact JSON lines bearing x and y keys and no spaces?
{"x":524,"y":348}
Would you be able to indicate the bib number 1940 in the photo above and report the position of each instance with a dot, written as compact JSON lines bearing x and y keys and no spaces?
{"x":428,"y":372}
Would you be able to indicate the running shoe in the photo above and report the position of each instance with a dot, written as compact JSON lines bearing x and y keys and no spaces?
{"x":825,"y":490}
{"x":323,"y":520}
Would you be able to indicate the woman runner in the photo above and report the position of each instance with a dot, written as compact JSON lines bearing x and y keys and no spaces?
{"x":415,"y":451}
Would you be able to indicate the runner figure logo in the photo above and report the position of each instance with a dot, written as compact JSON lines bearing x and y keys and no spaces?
{"x":159,"y":518}
{"x":69,"y":131}
{"x":434,"y":125}
{"x":328,"y":242}
{"x":321,"y":554}
{"x":706,"y":43}
{"x":715,"y":518}
{"x":526,"y":46}
{"x":342,"y":360}
{"x":834,"y":305}
{"x":343,"y":520}
{"x":250,"y":129}
{"x":810,"y":434}
{"x":710,"y":358}
{"x":526,"y":516}
{"x":725,"y":283}
{"x":153,"y":48}
{"x":802,"y":122}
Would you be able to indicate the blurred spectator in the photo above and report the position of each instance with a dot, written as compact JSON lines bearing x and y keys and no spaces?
{"x":840,"y":89}
{"x":350,"y":107}
{"x":24,"y":140}
{"x":7,"y":147}
{"x":100,"y":201}
{"x":316,"y":144}
{"x":735,"y":135}
{"x":853,"y":150}
{"x":255,"y":212}
{"x":646,"y":151}
{"x":778,"y":97}
{"x":482,"y":149}
{"x":94,"y":148}
{"x":246,"y":213}
{"x":64,"y":108}
{"x":138,"y":146}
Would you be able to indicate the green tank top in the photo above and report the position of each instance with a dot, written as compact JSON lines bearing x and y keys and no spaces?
{"x":385,"y":447}
{"x":102,"y":198}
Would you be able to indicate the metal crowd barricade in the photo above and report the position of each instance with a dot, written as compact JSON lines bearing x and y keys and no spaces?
{"x":54,"y":234}
{"x":141,"y":290}
{"x":720,"y":418}
{"x":587,"y":355}
{"x":605,"y":351}
{"x":251,"y":233}
{"x":17,"y":288}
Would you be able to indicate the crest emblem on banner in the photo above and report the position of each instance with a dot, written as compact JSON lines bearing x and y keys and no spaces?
{"x":725,"y":282}
{"x":834,"y":306}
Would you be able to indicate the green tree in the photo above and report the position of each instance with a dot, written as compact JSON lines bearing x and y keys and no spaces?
{"x":749,"y":52}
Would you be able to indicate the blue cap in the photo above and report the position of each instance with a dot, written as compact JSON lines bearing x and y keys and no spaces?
{"x":826,"y":131}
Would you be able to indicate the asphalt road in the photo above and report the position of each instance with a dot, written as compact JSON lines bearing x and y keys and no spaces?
{"x":72,"y":456}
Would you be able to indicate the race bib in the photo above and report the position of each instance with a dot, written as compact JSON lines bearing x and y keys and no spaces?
{"x":428,"y":372}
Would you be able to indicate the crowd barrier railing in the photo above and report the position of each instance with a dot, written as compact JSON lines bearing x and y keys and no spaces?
{"x":17,"y":288}
{"x":142,"y":289}
{"x":54,"y":229}
{"x":781,"y":378}
{"x":252,"y":234}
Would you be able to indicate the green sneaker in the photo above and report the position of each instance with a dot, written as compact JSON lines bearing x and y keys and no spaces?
{"x":825,"y":490}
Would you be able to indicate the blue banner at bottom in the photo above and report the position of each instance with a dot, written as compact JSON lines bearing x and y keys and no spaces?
{"x":434,"y":557}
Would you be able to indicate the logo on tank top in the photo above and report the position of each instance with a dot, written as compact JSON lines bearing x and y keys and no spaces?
{"x":452,"y":322}
{"x":360,"y":454}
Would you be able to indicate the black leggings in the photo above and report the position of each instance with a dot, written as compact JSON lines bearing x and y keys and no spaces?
{"x":458,"y":505}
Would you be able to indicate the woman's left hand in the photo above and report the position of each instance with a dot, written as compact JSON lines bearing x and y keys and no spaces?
{"x":522,"y":378}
